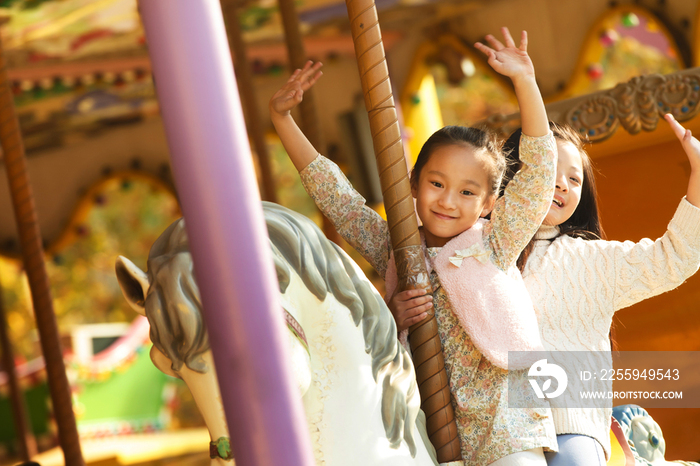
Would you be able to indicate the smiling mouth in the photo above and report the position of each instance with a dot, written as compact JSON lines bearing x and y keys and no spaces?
{"x":557,"y":203}
{"x":443,"y":216}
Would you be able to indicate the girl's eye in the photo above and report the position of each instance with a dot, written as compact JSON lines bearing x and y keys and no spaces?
{"x":575,"y":180}
{"x":436,"y":184}
{"x":467,"y":193}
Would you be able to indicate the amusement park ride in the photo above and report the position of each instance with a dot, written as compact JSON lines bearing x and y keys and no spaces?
{"x":223,"y":334}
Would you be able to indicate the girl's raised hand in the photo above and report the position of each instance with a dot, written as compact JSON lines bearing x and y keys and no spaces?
{"x":508,"y":60}
{"x":291,"y":94}
{"x":690,"y":144}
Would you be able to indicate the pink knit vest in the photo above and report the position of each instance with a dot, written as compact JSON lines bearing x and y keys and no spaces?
{"x":493,"y":307}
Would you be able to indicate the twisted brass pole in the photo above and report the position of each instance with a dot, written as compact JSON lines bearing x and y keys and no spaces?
{"x":403,"y":226}
{"x":33,"y":257}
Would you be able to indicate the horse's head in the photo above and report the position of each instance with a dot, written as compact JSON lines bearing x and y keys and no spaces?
{"x":169,"y":297}
{"x":316,"y":278}
{"x":642,"y":432}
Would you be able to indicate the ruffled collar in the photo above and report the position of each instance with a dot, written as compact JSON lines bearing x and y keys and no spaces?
{"x":547,"y":232}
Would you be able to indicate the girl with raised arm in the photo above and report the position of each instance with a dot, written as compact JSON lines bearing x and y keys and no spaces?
{"x":481,"y":305}
{"x":577,"y":281}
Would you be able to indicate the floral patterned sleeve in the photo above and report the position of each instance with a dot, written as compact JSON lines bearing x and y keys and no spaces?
{"x":518,"y":214}
{"x":363,"y":228}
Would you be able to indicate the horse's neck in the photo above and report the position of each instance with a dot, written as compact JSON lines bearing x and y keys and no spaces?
{"x":343,"y":404}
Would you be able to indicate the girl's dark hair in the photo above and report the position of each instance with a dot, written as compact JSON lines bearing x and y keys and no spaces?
{"x":585,"y":221}
{"x":461,"y":135}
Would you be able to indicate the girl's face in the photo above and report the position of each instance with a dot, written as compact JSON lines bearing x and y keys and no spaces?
{"x":569,"y":181}
{"x":452,"y":192}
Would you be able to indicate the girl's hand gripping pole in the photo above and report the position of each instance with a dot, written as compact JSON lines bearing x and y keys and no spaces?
{"x":410,"y":263}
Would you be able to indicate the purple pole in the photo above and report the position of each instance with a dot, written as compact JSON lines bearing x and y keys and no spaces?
{"x":220,"y":200}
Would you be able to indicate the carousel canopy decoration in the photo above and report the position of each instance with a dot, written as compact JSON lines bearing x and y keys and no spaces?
{"x":626,"y":42}
{"x":41,"y":31}
{"x":450,"y":84}
{"x":36,"y":31}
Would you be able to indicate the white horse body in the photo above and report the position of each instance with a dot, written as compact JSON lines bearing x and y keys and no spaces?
{"x":358,"y":384}
{"x":343,"y":402}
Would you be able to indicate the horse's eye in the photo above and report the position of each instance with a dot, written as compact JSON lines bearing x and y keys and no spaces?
{"x":653,"y":439}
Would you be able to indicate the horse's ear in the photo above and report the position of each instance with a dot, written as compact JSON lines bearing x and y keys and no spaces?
{"x":133,"y":282}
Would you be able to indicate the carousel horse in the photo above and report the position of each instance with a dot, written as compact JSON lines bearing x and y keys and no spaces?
{"x":644,"y":436}
{"x":357,"y":382}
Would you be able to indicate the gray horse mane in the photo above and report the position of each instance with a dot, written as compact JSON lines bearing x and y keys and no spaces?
{"x":181,"y":336}
{"x":298,"y":243}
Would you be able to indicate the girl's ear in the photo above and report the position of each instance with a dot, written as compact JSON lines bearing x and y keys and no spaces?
{"x":414,"y":190}
{"x":488,"y":205}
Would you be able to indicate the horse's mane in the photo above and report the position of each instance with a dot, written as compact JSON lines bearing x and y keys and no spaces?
{"x":181,"y":336}
{"x":323,"y":266}
{"x":298,"y":243}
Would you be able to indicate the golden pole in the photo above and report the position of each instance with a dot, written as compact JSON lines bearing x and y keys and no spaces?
{"x":33,"y":257}
{"x":403,"y":226}
{"x":246,"y":90}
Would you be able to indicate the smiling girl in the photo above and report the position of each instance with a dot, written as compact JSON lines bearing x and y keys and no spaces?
{"x":481,"y":305}
{"x":577,"y":281}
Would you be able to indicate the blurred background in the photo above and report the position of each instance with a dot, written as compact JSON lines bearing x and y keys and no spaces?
{"x":99,"y":166}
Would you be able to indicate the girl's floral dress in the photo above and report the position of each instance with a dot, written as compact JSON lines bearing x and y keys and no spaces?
{"x":488,"y":428}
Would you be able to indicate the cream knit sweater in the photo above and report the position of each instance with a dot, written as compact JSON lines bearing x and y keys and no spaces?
{"x":576,"y":286}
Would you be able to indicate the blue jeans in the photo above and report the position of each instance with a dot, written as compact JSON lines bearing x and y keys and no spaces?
{"x":576,"y":450}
